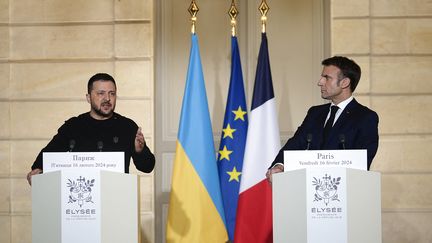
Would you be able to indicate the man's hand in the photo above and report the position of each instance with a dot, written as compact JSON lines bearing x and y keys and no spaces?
{"x":139,"y":141}
{"x":31,"y":173}
{"x":275,"y":169}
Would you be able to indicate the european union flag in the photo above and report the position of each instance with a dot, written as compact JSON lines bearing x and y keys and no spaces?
{"x":233,"y":140}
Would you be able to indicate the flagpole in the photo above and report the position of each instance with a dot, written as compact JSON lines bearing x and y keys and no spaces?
{"x":233,"y":12}
{"x":254,"y":212}
{"x":195,"y":211}
{"x":263,"y":8}
{"x":193,"y":10}
{"x":234,"y":131}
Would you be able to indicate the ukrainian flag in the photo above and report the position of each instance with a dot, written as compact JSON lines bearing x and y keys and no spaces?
{"x":195,"y":211}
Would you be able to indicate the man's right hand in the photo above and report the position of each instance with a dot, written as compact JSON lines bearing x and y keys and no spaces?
{"x":275,"y":169}
{"x":33,"y":172}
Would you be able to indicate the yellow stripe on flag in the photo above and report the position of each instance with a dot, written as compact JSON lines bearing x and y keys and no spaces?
{"x":192,"y":216}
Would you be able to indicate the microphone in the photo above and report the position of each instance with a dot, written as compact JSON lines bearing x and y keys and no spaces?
{"x":342,"y":140}
{"x":100,"y":146}
{"x":309,"y":140}
{"x":71,"y":145}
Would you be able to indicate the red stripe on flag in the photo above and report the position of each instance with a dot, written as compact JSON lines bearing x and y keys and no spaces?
{"x":255,"y":205}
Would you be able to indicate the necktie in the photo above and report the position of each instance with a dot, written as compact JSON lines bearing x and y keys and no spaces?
{"x":329,"y":123}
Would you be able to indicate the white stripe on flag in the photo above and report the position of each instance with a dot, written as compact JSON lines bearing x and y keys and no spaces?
{"x":262,"y":144}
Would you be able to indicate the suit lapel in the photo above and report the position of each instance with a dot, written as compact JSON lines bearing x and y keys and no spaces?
{"x":324,"y":112}
{"x":341,"y":122}
{"x":320,"y":123}
{"x":346,"y":114}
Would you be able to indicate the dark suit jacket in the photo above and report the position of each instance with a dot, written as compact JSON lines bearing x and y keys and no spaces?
{"x":357,"y":124}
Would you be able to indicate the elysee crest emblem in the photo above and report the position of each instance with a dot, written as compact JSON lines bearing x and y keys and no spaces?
{"x":80,"y":190}
{"x":326,"y":189}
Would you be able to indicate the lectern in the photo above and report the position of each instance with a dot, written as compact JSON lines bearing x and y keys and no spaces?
{"x":84,"y":203}
{"x":327,"y":204}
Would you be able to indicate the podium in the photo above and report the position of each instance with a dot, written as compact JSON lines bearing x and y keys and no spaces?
{"x":326,"y":204}
{"x":84,"y":205}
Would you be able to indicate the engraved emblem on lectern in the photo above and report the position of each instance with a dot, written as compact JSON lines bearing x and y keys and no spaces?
{"x":326,"y":189}
{"x":80,"y":190}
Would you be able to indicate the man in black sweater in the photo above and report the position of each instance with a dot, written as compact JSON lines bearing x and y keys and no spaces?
{"x":101,"y":129}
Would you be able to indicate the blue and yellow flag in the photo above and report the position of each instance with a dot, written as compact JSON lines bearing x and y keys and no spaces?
{"x":233,"y":140}
{"x":195,"y":211}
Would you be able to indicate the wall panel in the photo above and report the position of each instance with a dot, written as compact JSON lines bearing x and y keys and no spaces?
{"x":28,"y":11}
{"x":400,"y":35}
{"x":60,"y":42}
{"x":48,"y":51}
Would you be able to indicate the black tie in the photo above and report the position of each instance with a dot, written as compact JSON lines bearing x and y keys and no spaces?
{"x":329,"y":123}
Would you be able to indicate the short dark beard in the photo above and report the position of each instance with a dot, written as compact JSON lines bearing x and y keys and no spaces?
{"x":98,"y":111}
{"x":103,"y":114}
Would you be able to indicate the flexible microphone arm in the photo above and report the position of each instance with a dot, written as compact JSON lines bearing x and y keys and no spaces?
{"x":100,"y":146}
{"x":71,"y":145}
{"x":309,"y":140}
{"x":342,"y":140}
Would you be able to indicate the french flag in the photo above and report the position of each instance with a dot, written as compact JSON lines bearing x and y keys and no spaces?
{"x":254,"y":212}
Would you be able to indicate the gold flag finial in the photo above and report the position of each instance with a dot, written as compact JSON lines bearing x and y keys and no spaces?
{"x":193,"y":10}
{"x":233,"y":12}
{"x":263,"y":8}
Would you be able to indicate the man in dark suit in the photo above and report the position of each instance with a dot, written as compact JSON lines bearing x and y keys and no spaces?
{"x":351,"y":126}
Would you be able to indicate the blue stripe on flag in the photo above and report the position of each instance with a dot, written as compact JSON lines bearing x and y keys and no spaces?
{"x":263,"y":89}
{"x":195,"y":132}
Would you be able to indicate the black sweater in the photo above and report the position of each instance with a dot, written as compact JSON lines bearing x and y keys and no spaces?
{"x":86,"y":134}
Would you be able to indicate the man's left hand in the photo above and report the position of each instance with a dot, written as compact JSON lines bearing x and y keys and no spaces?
{"x":278,"y":168}
{"x":139,"y":141}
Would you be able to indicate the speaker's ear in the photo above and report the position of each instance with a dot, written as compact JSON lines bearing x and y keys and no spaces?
{"x":345,"y":83}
